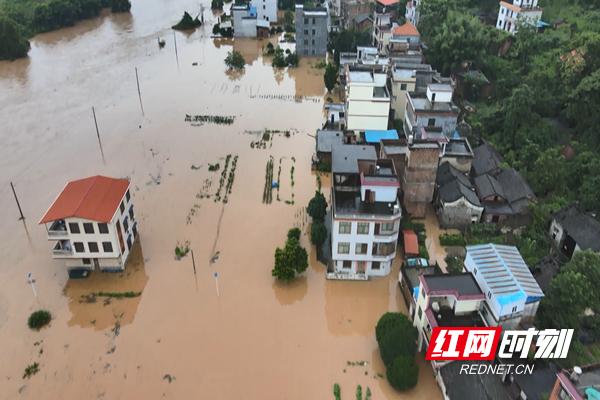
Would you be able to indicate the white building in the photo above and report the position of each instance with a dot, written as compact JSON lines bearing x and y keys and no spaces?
{"x":446,"y":300}
{"x":266,"y":10}
{"x":412,"y":11}
{"x":367,"y":100}
{"x":435,"y":111}
{"x":511,"y":14}
{"x":92,"y":224}
{"x":512,"y":293}
{"x":365,"y":213}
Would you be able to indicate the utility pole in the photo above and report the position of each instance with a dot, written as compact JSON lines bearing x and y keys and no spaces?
{"x":175,"y":41}
{"x":22,"y":217}
{"x":138,"y":88}
{"x":193,"y":262}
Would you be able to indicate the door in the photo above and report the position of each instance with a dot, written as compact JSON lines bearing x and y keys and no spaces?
{"x":96,"y":263}
{"x":361,"y":267}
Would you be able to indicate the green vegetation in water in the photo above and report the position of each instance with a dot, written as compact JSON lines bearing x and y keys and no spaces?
{"x":359,"y":392}
{"x":235,"y":60}
{"x":187,"y":23}
{"x":330,"y":77}
{"x":292,"y":260}
{"x":268,"y":189}
{"x":216,"y":4}
{"x":118,"y":295}
{"x":222,"y":178}
{"x":282,"y":59}
{"x":457,"y":239}
{"x":337,"y":393}
{"x":454,"y":265}
{"x":31,"y":370}
{"x":368,"y":394}
{"x":38,"y":319}
{"x":182,"y":250}
{"x":214,"y":119}
{"x":213,"y":167}
{"x":230,"y":179}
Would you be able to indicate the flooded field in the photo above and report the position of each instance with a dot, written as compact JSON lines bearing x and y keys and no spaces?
{"x":178,"y":339}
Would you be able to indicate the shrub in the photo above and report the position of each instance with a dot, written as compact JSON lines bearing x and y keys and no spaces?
{"x":31,"y":370}
{"x":216,"y":4}
{"x":39,"y":319}
{"x":454,"y":265}
{"x":279,"y":58}
{"x":317,"y":207}
{"x":216,"y":29}
{"x":423,"y":253}
{"x":447,"y":239}
{"x":399,"y":341}
{"x":337,"y":392}
{"x":318,"y":233}
{"x":292,"y":59}
{"x":386,"y":322}
{"x":120,"y":5}
{"x":14,"y":44}
{"x":324,"y":166}
{"x":294,"y":233}
{"x":235,"y":60}
{"x":403,"y":373}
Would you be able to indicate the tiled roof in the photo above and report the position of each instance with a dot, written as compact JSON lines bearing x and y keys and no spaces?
{"x":95,"y":198}
{"x":406,"y":29}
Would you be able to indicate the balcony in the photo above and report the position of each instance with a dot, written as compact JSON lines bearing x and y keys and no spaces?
{"x":57,"y":229}
{"x":62,"y":248}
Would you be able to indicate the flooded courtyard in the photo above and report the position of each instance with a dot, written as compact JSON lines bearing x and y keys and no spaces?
{"x":178,"y":339}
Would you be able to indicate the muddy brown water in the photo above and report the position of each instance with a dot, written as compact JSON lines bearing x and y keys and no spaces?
{"x":258,"y":338}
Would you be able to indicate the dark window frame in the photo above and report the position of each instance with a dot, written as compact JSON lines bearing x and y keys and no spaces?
{"x":93,"y":247}
{"x":88,"y":228}
{"x":77,"y":229}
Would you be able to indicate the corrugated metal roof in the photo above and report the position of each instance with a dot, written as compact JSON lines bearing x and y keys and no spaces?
{"x":504,"y":270}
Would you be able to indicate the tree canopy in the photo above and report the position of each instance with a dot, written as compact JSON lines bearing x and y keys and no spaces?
{"x":12,"y":43}
{"x":291,"y":260}
{"x":317,"y":207}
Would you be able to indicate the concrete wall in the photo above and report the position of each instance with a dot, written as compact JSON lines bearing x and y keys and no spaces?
{"x":266,"y":9}
{"x":457,"y":214}
{"x":382,"y":193}
{"x":311,"y":33}
{"x":399,"y":96}
{"x":244,"y":27}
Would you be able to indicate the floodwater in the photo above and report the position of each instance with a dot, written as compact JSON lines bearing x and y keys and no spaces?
{"x":178,"y":339}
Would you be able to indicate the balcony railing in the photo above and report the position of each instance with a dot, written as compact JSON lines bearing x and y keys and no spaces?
{"x":62,"y":248}
{"x":57,"y":228}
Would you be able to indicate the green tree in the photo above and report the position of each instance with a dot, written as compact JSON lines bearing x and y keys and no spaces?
{"x":279,"y":58}
{"x":518,"y":113}
{"x":12,"y":43}
{"x":403,"y":374}
{"x":317,"y":207}
{"x":294,"y":233}
{"x":290,"y":261}
{"x":120,"y":5}
{"x":549,"y":172}
{"x":39,"y":319}
{"x":330,"y":77}
{"x":318,"y":233}
{"x":292,"y":59}
{"x":400,"y":340}
{"x":565,"y":301}
{"x":587,"y":263}
{"x":235,"y":60}
{"x":387,"y":322}
{"x":288,"y":22}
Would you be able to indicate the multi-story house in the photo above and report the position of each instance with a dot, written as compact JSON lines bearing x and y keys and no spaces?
{"x":435,"y":111}
{"x":266,"y":10}
{"x":405,"y":78}
{"x":92,"y":224}
{"x":365,"y":213}
{"x":446,"y":300}
{"x":382,"y":30}
{"x":512,"y":13}
{"x":412,"y":11}
{"x":244,"y":20}
{"x":511,"y":292}
{"x":353,"y":9}
{"x":367,"y":100}
{"x":312,"y":30}
{"x":579,"y":383}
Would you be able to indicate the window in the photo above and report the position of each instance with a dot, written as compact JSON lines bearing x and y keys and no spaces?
{"x":93,"y":246}
{"x":474,"y":271}
{"x":345,"y":227}
{"x":343,"y":248}
{"x":125,"y":224}
{"x":420,"y":312}
{"x":403,"y":86}
{"x":122,"y":207}
{"x":361,"y":248}
{"x":314,"y":32}
{"x":131,"y":213}
{"x":376,"y":265}
{"x":313,"y":42}
{"x":514,"y":309}
{"x":74,"y":227}
{"x":103,"y":228}
{"x":127,"y":195}
{"x":306,"y":21}
{"x":107,"y":247}
{"x":129,"y":243}
{"x":306,"y":42}
{"x":387,"y":227}
{"x":313,"y":20}
{"x":363,"y":228}
{"x":489,"y":295}
{"x":78,"y":247}
{"x":264,"y":8}
{"x":431,"y":122}
{"x":88,"y":227}
{"x":346,"y":264}
{"x":306,"y":31}
{"x":86,"y":261}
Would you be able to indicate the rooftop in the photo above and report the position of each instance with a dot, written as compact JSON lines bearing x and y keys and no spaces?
{"x":411,"y":243}
{"x":375,"y":136}
{"x":351,"y":203}
{"x":472,"y":387}
{"x":504,"y":271}
{"x":486,"y":159}
{"x":327,"y":139}
{"x":454,"y":185}
{"x":587,"y":384}
{"x":95,"y":198}
{"x":406,"y":29}
{"x":458,"y":147}
{"x":423,"y":104}
{"x":582,"y":227}
{"x":460,"y":285}
{"x":388,"y":2}
{"x":345,"y":157}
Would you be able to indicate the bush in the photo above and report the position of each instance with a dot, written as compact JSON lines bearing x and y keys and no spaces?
{"x":12,"y":43}
{"x":403,"y":373}
{"x":317,"y":207}
{"x":292,"y":259}
{"x":216,"y":29}
{"x":292,"y":59}
{"x":423,"y":253}
{"x":400,"y":340}
{"x":235,"y":60}
{"x":447,"y":239}
{"x":122,"y":6}
{"x":324,"y":166}
{"x":294,"y":233}
{"x":318,"y":233}
{"x":39,"y":319}
{"x":454,"y":265}
{"x":337,"y":393}
{"x":216,"y":5}
{"x":388,"y":321}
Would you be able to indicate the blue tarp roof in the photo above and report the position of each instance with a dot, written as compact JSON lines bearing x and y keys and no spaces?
{"x":375,"y":136}
{"x":541,"y":24}
{"x":252,"y":11}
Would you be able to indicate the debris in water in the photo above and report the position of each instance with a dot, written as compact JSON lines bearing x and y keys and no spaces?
{"x":169,"y":377}
{"x":213,"y":119}
{"x":215,"y":257}
{"x":195,"y":167}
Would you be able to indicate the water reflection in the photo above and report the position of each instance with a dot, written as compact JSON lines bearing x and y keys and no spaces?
{"x":288,"y":293}
{"x":102,"y":312}
{"x":70,"y":33}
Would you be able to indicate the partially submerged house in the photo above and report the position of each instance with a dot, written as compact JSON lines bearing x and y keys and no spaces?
{"x":512,"y":295}
{"x":326,"y":140}
{"x":456,"y":203}
{"x":365,"y":213}
{"x":408,"y":280}
{"x":312,"y":30}
{"x":92,"y":224}
{"x":572,"y":230}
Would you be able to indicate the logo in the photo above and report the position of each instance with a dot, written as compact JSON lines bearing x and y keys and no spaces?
{"x":480,"y":344}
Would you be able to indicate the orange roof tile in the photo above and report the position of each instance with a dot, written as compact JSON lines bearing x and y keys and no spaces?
{"x":95,"y":198}
{"x":510,"y":6}
{"x":411,"y":243}
{"x":407,"y":29}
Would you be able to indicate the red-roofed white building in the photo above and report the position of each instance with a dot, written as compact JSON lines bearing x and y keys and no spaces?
{"x":92,"y":224}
